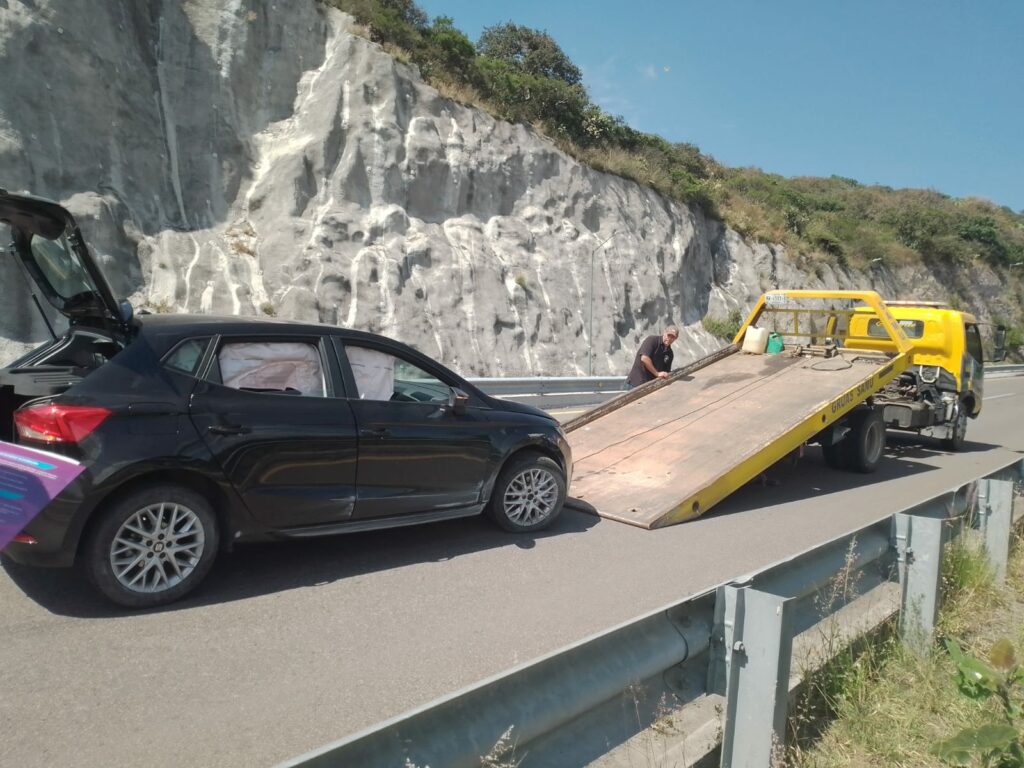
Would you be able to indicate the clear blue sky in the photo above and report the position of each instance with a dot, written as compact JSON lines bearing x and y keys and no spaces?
{"x":906,"y":93}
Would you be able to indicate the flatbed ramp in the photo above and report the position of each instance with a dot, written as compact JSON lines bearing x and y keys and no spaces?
{"x":670,"y":455}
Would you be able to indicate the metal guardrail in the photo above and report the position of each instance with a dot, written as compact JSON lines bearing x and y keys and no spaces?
{"x":716,"y":665}
{"x":1004,"y":369}
{"x":550,"y":385}
{"x":541,"y":390}
{"x":553,"y":392}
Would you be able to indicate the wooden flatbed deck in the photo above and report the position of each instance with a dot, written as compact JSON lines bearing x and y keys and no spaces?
{"x":670,"y":455}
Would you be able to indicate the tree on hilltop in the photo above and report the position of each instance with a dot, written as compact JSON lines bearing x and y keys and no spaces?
{"x":529,"y":50}
{"x":407,"y":11}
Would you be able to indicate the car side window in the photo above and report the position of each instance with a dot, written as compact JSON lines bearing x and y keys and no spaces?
{"x":187,"y":356}
{"x":382,"y":376}
{"x":974,"y":347}
{"x":286,"y":367}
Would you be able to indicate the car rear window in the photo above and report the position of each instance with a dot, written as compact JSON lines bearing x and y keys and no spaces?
{"x":187,"y":356}
{"x":913,"y":328}
{"x":61,"y":267}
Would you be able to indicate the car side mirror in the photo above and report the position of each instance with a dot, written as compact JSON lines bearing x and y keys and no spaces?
{"x":999,"y":353}
{"x":457,"y":400}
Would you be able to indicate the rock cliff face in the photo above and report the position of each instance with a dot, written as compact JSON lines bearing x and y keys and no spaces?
{"x":254,"y":157}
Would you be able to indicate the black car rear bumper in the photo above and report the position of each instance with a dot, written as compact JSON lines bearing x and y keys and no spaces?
{"x":55,"y":532}
{"x":33,"y":554}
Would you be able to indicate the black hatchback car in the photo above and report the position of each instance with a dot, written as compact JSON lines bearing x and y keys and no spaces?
{"x":199,"y":432}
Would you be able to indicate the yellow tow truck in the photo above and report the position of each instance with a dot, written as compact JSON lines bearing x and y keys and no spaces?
{"x":833,"y":364}
{"x":944,"y":383}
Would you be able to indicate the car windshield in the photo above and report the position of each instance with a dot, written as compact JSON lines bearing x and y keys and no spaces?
{"x":62,"y":268}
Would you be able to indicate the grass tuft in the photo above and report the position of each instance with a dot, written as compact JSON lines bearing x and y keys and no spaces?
{"x":883,"y":706}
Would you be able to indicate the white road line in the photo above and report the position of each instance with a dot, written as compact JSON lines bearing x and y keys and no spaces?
{"x":1008,"y":394}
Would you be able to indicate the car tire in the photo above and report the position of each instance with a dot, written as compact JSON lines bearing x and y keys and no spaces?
{"x":959,"y":426}
{"x":152,"y":547}
{"x":528,"y":494}
{"x":865,"y":442}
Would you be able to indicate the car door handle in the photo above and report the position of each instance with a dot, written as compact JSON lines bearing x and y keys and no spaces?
{"x":378,"y":432}
{"x":228,"y":429}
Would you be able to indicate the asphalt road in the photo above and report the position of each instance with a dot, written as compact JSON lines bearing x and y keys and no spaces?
{"x":290,"y":646}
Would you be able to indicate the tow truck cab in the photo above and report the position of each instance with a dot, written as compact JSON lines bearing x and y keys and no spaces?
{"x":944,"y":384}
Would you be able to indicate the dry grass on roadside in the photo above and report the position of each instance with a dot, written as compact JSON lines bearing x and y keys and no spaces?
{"x":461,"y":93}
{"x":501,"y":755}
{"x":894,"y":716}
{"x":968,"y":591}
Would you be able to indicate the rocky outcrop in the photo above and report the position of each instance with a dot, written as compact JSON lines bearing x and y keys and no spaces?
{"x":256,"y":158}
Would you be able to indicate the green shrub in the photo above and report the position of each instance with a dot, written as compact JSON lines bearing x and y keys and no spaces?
{"x":523,"y":97}
{"x":983,"y":232}
{"x":449,"y":53}
{"x":820,"y":234}
{"x":995,"y":744}
{"x":1014,"y":340}
{"x":726,"y":327}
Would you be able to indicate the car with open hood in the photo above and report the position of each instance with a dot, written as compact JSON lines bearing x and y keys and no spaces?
{"x":198,"y":432}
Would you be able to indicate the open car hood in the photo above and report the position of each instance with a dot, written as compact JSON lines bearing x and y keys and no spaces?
{"x":50,"y":246}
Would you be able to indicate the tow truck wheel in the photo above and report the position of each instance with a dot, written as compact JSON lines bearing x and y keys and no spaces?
{"x":865,"y":442}
{"x":958,"y":430}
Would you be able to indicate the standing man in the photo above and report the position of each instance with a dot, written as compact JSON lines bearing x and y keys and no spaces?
{"x":653,"y":359}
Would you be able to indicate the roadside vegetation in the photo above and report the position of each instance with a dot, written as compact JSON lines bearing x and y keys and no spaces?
{"x":521,"y":75}
{"x":879,"y":704}
{"x":724,"y":327}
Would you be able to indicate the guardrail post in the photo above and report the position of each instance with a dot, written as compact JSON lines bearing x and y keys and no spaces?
{"x":757,"y":644}
{"x":918,"y":542}
{"x":995,"y":512}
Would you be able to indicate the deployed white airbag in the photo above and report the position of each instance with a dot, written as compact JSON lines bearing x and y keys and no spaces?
{"x":286,"y":365}
{"x":374,"y":372}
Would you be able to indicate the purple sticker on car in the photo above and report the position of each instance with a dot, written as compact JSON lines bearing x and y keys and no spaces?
{"x":29,"y":480}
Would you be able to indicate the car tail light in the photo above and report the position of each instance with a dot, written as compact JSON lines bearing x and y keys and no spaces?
{"x":24,"y":538}
{"x":58,"y":423}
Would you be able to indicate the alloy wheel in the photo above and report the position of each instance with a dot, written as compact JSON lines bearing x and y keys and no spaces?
{"x":531,"y":497}
{"x":157,"y":547}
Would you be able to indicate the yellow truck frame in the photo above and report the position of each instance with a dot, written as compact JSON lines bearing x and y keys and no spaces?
{"x":670,"y":450}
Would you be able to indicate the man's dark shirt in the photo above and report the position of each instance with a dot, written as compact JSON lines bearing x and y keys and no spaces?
{"x":661,"y":359}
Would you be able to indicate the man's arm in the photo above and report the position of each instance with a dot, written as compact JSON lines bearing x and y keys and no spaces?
{"x":649,"y":365}
{"x":646,"y":350}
